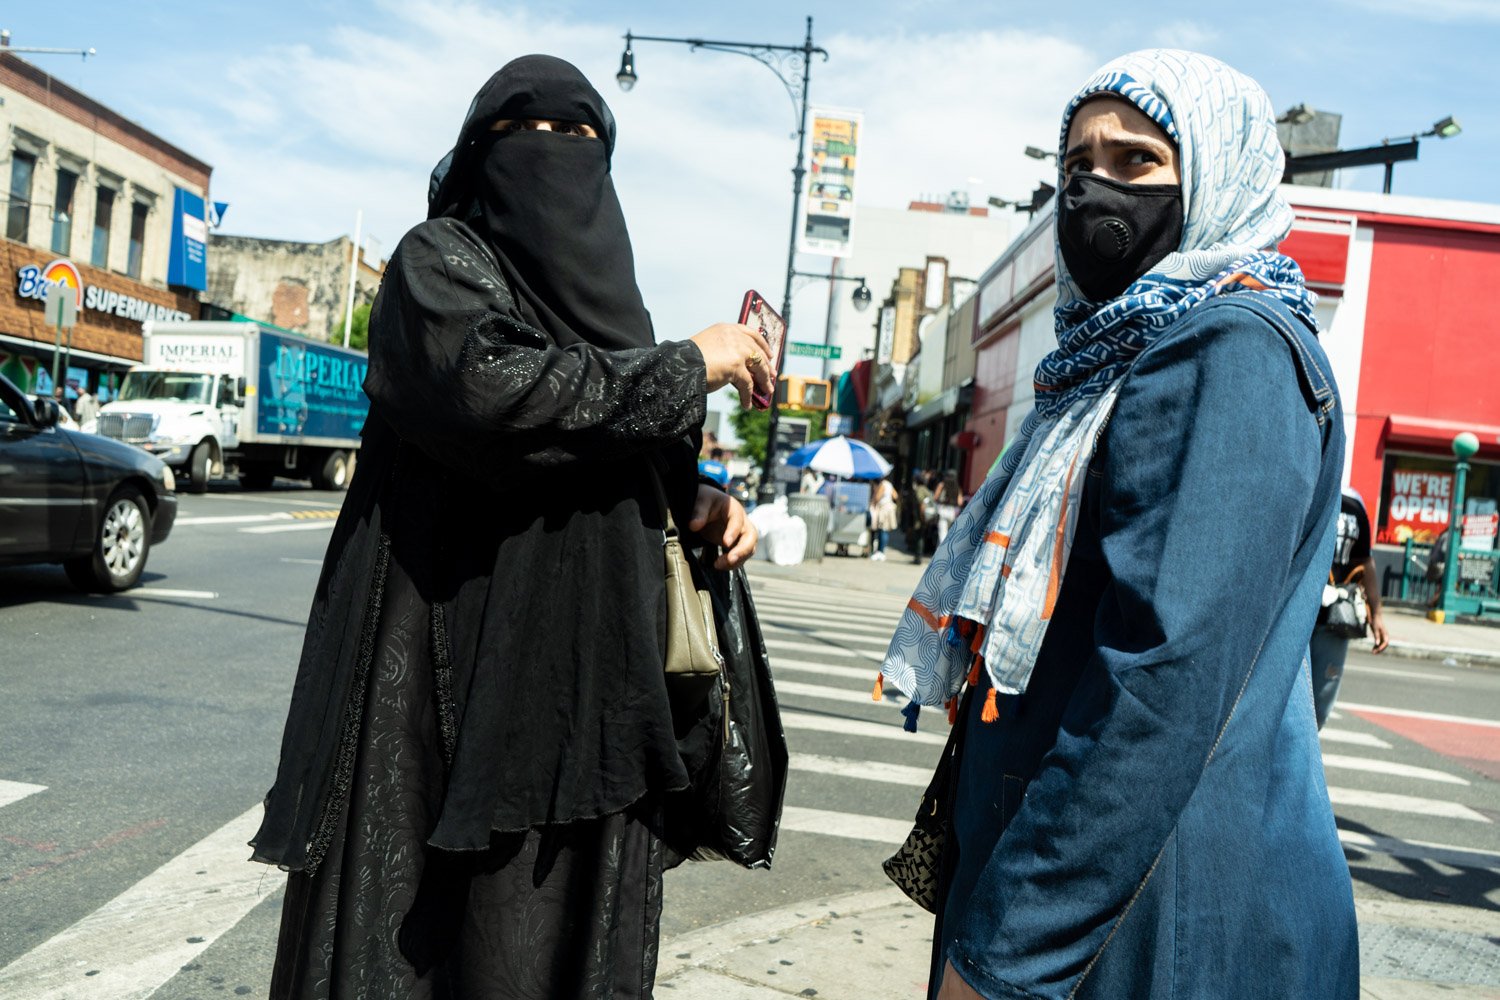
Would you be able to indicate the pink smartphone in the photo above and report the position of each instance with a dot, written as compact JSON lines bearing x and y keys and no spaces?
{"x":757,"y":314}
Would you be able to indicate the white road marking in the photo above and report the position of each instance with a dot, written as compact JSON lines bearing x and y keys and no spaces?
{"x":292,"y":500}
{"x":235,"y":519}
{"x":851,"y":638}
{"x":808,"y":721}
{"x":307,"y":562}
{"x":852,"y":826}
{"x":1421,"y":675}
{"x":205,"y":595}
{"x":827,"y":669}
{"x":1391,"y":768}
{"x":800,"y":620}
{"x":1411,"y":714}
{"x":130,"y":946}
{"x":865,"y":770}
{"x":827,"y":649}
{"x":833,"y":694}
{"x":1330,"y":735}
{"x":295,"y":526}
{"x":796,"y":605}
{"x":1403,"y":803}
{"x":15,"y":791}
{"x":1447,"y":854}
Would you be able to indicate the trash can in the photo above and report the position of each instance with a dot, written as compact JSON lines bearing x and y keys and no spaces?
{"x":813,"y":509}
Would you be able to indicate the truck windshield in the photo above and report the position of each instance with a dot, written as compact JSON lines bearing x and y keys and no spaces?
{"x":186,"y":386}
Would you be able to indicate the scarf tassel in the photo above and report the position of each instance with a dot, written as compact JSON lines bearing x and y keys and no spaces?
{"x":952,"y":710}
{"x":879,"y":692}
{"x":911,"y":711}
{"x":991,"y":711}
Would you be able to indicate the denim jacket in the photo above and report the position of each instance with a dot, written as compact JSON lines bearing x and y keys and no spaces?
{"x":1150,"y":820}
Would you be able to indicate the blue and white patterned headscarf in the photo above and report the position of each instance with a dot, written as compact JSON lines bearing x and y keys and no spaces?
{"x":987,"y":597}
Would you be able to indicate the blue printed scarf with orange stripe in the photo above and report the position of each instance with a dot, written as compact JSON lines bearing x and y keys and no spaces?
{"x":987,"y":597}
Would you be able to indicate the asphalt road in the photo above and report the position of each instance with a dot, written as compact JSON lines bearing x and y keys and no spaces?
{"x":139,"y":732}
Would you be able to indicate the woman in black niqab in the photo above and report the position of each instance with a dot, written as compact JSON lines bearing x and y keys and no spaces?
{"x":470,"y":791}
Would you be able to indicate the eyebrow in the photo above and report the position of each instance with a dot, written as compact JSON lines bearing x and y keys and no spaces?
{"x":1132,"y":142}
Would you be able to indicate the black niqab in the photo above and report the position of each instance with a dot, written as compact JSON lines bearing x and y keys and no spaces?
{"x":546,"y":204}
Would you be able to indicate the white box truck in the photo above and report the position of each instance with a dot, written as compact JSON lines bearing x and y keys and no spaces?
{"x":216,"y":397}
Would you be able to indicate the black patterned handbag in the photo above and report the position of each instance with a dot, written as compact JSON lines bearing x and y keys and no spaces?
{"x":915,"y":867}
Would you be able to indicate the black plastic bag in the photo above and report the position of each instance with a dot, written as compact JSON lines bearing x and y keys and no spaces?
{"x":732,"y":742}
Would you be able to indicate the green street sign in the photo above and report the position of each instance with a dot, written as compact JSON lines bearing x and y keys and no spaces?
{"x":814,"y":350}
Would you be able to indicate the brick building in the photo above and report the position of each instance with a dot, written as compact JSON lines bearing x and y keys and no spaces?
{"x":301,"y":287}
{"x":91,"y":202}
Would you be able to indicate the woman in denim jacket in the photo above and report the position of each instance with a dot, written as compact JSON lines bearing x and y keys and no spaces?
{"x":1137,"y":803}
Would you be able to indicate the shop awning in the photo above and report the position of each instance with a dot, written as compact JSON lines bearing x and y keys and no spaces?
{"x":1437,"y":436}
{"x":944,"y":405}
{"x":43,"y":348}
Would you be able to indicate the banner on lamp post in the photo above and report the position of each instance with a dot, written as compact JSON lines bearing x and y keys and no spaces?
{"x":828,"y":203}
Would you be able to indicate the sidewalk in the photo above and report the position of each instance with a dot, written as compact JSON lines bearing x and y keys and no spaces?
{"x":1412,"y":635}
{"x":877,"y":945}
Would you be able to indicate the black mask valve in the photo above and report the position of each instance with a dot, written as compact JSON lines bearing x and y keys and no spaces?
{"x":1111,"y":232}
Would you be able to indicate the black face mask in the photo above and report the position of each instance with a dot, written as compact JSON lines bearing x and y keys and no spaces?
{"x":1111,"y":232}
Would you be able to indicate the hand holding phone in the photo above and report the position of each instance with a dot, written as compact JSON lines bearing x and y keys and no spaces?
{"x":728,"y":350}
{"x":757,"y":314}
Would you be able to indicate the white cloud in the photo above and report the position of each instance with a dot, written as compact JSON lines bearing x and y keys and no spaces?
{"x":1188,"y":35}
{"x":1443,"y":11}
{"x":302,"y":135}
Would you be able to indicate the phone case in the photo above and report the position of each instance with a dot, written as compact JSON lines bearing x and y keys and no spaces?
{"x":757,"y":313}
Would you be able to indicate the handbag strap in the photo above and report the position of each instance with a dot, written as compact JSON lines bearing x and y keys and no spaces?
{"x":658,"y":481}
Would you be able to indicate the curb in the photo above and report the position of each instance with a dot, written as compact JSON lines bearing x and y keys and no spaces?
{"x":1420,"y":651}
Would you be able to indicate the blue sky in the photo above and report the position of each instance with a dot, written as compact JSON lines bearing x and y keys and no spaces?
{"x":310,"y":110}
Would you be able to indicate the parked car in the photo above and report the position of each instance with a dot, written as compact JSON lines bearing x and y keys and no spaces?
{"x":94,"y":505}
{"x":739,"y":488}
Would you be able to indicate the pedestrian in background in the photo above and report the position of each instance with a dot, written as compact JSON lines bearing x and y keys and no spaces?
{"x":86,"y":407}
{"x":923,"y":512}
{"x":948,"y":497}
{"x":884,"y":517}
{"x":1137,"y":805}
{"x":472,"y":777}
{"x":1352,"y":563}
{"x":714,"y":468}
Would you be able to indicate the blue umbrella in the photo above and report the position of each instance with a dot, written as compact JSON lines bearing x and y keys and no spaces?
{"x":839,"y":456}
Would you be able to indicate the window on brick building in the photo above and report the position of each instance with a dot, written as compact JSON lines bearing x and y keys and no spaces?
{"x":138,"y":214}
{"x":104,"y":208}
{"x":18,"y":216}
{"x":62,"y":211}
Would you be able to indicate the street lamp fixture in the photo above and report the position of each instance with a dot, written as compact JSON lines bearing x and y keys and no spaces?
{"x":862,"y":297}
{"x":5,"y":46}
{"x":1037,"y":153}
{"x":1300,"y":115}
{"x":626,"y":77}
{"x":1446,"y":129}
{"x":792,"y":65}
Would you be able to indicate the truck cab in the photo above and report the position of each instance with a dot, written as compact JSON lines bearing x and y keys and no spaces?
{"x":189,"y":419}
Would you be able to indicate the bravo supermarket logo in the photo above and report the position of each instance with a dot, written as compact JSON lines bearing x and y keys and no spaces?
{"x":34,"y":281}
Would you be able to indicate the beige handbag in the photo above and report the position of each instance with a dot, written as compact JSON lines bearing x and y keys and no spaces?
{"x":693,"y":657}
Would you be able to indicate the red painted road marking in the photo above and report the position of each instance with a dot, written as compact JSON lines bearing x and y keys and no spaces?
{"x":1474,"y":746}
{"x":134,"y":831}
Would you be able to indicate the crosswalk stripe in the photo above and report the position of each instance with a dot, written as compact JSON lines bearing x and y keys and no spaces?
{"x":832,"y":693}
{"x":1391,"y":768}
{"x":1403,"y":803}
{"x":1330,"y":735}
{"x":824,"y":648}
{"x":1413,"y":714}
{"x":1421,"y":675}
{"x":267,"y":529}
{"x":854,"y":638}
{"x":15,"y":791}
{"x":280,"y":515}
{"x":821,"y":621}
{"x":827,"y":669}
{"x":1417,"y":850}
{"x":827,"y":607}
{"x":865,"y":770}
{"x":855,"y":727}
{"x":852,"y":826}
{"x":130,"y":946}
{"x":206,"y":595}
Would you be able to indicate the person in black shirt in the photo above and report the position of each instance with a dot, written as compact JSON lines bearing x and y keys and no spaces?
{"x":1351,"y":561}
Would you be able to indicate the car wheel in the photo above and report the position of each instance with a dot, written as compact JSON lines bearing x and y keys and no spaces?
{"x":334,"y":475}
{"x":122,"y":541}
{"x":257,"y":477}
{"x":198,"y":469}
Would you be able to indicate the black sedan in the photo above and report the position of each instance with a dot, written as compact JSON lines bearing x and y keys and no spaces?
{"x":94,"y":505}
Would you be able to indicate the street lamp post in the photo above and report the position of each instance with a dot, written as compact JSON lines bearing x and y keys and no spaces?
{"x":773,"y":57}
{"x":1464,"y":445}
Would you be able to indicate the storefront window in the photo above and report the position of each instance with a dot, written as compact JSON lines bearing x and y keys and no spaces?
{"x":104,"y":207}
{"x":18,"y":218}
{"x":1416,"y":496}
{"x":137,"y":239}
{"x":62,"y":212}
